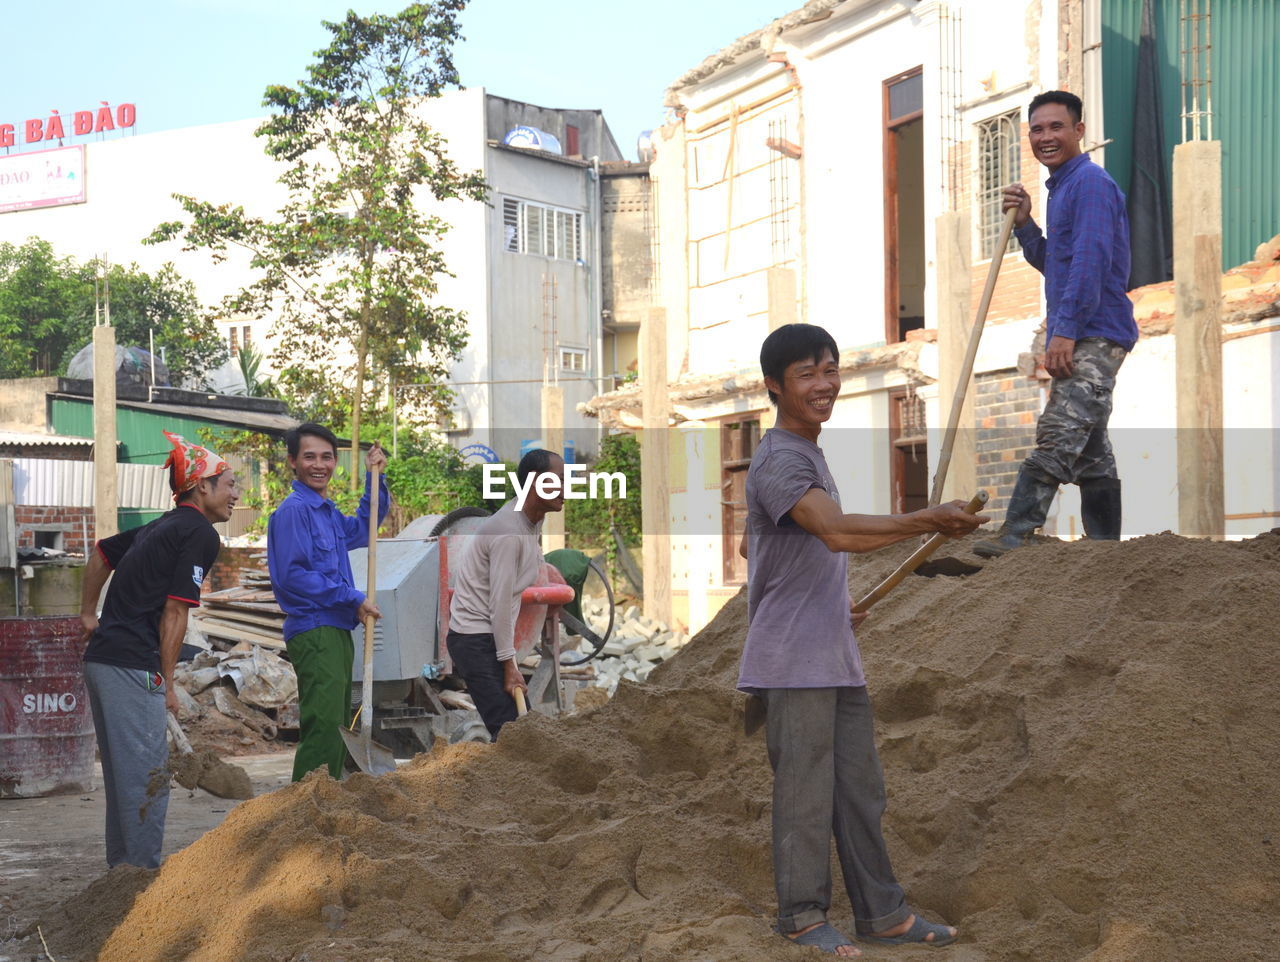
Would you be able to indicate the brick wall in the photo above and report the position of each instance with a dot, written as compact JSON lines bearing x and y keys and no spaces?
{"x":73,"y":523}
{"x":1006,"y":408}
{"x":226,"y":570}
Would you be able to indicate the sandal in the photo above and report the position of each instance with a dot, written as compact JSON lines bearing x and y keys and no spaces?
{"x":915,"y":935}
{"x":824,"y":937}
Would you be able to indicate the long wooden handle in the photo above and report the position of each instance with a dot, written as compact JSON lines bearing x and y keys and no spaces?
{"x":970,"y":355}
{"x":366,"y":688}
{"x":917,"y":558}
{"x":521,"y":707}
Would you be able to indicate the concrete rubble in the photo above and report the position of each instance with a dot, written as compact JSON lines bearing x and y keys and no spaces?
{"x":636,"y":646}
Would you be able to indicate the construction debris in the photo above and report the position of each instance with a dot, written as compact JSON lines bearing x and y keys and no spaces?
{"x":636,"y":647}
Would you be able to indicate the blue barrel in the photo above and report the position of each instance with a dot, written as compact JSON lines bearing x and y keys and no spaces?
{"x":46,"y":727}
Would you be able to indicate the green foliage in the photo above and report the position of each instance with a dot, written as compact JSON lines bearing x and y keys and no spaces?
{"x":47,"y":313}
{"x":255,"y":385}
{"x":262,"y":453}
{"x":349,"y":266}
{"x":435,"y":480}
{"x":588,"y":522}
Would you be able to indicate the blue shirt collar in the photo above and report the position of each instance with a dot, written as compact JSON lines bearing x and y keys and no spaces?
{"x":308,"y":496}
{"x":1066,"y":170}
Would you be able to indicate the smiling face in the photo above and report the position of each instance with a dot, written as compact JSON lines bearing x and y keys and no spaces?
{"x":807,"y":393}
{"x":216,"y":496}
{"x":315,"y":463}
{"x":1055,"y":137}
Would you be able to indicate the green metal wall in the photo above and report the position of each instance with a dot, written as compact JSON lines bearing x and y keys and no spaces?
{"x":1245,"y":64}
{"x":140,"y":432}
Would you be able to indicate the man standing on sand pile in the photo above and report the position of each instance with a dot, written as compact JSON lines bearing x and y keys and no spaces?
{"x":802,"y":661}
{"x":133,"y":649}
{"x":307,"y":543}
{"x":502,"y":558}
{"x":1089,"y":330}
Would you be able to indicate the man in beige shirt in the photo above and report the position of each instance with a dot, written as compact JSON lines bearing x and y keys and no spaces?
{"x":503,"y":558}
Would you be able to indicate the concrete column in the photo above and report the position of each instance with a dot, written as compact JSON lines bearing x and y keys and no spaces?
{"x":1197,"y":328}
{"x":955,"y":322}
{"x":655,"y":462}
{"x":782,"y":296}
{"x":105,"y":523}
{"x":553,"y":440}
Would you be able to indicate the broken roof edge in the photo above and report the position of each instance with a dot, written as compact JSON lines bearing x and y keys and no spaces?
{"x":761,"y":39}
{"x":904,"y":355}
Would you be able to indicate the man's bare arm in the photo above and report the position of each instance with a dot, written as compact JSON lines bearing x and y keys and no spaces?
{"x":819,"y":515}
{"x":96,"y":574}
{"x":173,"y":629}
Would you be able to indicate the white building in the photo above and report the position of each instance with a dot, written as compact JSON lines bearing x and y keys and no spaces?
{"x":842,"y":166}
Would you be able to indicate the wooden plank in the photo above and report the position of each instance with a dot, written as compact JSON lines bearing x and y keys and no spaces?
{"x":244,"y":618}
{"x":1197,"y":327}
{"x":222,"y":629}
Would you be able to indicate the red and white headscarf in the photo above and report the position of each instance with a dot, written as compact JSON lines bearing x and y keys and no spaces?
{"x":190,"y":463}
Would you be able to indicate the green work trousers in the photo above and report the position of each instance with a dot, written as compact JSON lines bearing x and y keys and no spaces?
{"x":322,"y":659}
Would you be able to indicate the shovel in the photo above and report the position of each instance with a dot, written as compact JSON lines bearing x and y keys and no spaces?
{"x":917,"y":559}
{"x":954,"y":566}
{"x":372,"y":758}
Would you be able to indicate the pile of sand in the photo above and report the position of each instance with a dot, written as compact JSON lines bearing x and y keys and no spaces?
{"x":1080,"y":745}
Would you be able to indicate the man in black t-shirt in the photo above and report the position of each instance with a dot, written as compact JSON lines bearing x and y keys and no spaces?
{"x":133,"y":648}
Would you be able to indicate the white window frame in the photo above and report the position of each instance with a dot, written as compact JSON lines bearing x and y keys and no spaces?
{"x":541,"y":230}
{"x":573,"y":359}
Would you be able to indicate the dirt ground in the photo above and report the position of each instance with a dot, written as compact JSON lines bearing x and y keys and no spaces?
{"x":1079,"y":747}
{"x":51,"y":848}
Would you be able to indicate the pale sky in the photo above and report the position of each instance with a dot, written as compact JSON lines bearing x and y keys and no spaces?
{"x":191,"y":62}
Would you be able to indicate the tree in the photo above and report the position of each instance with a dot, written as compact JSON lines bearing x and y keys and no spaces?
{"x":349,"y":265}
{"x":39,"y":299}
{"x":47,"y":313}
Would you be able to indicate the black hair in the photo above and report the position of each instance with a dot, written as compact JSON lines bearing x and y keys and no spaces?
{"x":1074,"y":107}
{"x":536,"y":461}
{"x":293,"y":437}
{"x":190,"y":493}
{"x":791,"y":343}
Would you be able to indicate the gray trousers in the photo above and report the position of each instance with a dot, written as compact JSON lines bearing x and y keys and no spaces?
{"x":1072,"y":444}
{"x":827,"y":779}
{"x":128,"y":717}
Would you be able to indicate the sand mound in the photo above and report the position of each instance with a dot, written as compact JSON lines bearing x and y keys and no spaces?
{"x":1079,"y":745}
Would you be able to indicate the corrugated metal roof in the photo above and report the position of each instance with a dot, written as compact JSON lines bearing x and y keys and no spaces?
{"x":69,"y":484}
{"x":33,"y":439}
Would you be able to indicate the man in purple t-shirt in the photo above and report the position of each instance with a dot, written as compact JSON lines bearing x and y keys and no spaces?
{"x":802,"y":660}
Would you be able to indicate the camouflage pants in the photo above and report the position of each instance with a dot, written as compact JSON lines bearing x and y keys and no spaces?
{"x":1071,"y":437}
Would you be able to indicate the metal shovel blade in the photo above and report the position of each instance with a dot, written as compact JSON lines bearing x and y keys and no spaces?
{"x":950,"y":567}
{"x":372,"y":758}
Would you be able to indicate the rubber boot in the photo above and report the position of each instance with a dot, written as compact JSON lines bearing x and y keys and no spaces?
{"x":1100,"y":509}
{"x":1028,"y":507}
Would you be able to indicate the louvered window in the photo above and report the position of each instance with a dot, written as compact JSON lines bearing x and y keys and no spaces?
{"x":530,"y":228}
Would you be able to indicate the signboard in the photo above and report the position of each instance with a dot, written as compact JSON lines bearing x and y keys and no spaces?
{"x":42,"y":178}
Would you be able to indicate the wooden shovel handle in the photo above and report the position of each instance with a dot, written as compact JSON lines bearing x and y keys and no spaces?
{"x":179,"y":736}
{"x":521,"y":707}
{"x":917,"y":558}
{"x":970,"y":355}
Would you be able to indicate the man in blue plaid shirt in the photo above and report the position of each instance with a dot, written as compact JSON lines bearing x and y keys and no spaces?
{"x":1089,"y":329}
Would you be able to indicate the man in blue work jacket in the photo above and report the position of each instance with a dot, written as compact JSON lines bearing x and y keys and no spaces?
{"x":1089,"y":330}
{"x":307,"y":543}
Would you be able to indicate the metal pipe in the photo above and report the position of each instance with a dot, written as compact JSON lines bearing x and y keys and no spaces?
{"x":597,"y":295}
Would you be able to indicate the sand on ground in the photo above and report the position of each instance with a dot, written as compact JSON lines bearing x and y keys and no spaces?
{"x":1079,"y":745}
